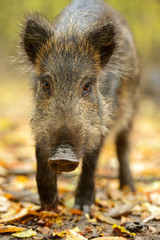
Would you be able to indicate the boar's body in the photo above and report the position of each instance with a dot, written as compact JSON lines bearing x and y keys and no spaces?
{"x":86,"y":86}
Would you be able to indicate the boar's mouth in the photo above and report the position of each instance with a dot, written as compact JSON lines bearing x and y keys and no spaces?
{"x":64,"y":159}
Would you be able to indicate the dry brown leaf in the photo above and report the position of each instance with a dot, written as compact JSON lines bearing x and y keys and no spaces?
{"x":13,"y":215}
{"x":100,"y":216}
{"x":10,"y":216}
{"x":150,"y":218}
{"x":102,"y":203}
{"x":27,"y":220}
{"x":124,"y":220}
{"x":44,"y":230}
{"x":122,"y":210}
{"x":145,"y":215}
{"x":157,"y":217}
{"x":153,"y":230}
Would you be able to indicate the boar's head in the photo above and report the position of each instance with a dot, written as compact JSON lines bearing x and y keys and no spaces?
{"x":69,"y":109}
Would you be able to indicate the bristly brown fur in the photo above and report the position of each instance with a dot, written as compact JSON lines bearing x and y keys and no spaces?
{"x":86,"y":86}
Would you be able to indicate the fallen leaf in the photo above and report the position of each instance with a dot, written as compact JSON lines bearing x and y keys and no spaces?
{"x":59,"y":234}
{"x":76,"y":212}
{"x":122,"y":210}
{"x":145,"y":215}
{"x":48,"y":214}
{"x":154,"y":197}
{"x":8,"y":195}
{"x":27,"y":220}
{"x":150,"y":218}
{"x":91,"y":220}
{"x":122,"y":231}
{"x":157,"y":217}
{"x":25,"y":234}
{"x":125,"y":220}
{"x":71,"y":235}
{"x":43,"y":230}
{"x":76,"y":229}
{"x":25,"y":195}
{"x":76,"y":219}
{"x":69,"y":202}
{"x":12,"y":215}
{"x":150,"y":208}
{"x":106,"y":219}
{"x":153,"y":230}
{"x":4,"y":204}
{"x":102,"y":203}
{"x":10,"y":228}
{"x":64,"y":233}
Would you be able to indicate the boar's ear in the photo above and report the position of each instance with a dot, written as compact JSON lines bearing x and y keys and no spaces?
{"x":103,"y":40}
{"x":36,"y":31}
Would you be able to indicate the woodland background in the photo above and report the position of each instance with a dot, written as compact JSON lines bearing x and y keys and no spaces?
{"x":17,"y":160}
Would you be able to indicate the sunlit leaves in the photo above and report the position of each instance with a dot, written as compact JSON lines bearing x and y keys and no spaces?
{"x":25,"y":234}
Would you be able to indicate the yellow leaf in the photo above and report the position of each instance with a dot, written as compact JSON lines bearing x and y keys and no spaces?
{"x":91,"y":220}
{"x":59,"y":234}
{"x":26,"y":234}
{"x":63,"y":233}
{"x":10,"y":228}
{"x":122,"y":231}
{"x":76,"y":229}
{"x":21,"y":179}
{"x":71,"y":235}
{"x":48,"y":214}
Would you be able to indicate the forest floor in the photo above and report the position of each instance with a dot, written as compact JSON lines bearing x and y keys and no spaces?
{"x":136,"y":215}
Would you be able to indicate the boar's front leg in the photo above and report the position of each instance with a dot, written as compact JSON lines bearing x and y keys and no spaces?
{"x":85,"y":189}
{"x":122,"y":147}
{"x":46,"y":180}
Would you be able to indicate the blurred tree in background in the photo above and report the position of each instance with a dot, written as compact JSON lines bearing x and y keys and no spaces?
{"x":143,"y":17}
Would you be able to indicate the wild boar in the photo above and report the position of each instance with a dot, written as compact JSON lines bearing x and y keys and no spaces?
{"x":86,"y":86}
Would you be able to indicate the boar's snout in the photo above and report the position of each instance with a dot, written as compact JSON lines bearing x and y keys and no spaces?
{"x":64,"y":159}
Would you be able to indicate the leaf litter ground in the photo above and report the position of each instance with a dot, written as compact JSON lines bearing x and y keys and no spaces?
{"x":115,"y":215}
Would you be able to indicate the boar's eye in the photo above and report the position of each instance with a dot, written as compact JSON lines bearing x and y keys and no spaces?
{"x":47,"y":86}
{"x":86,"y":88}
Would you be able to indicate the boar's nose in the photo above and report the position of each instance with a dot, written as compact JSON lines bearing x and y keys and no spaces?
{"x":64,"y":159}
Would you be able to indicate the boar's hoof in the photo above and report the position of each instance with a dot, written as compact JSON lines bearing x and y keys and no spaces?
{"x":50,"y":207}
{"x":63,"y":165}
{"x":85,"y":208}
